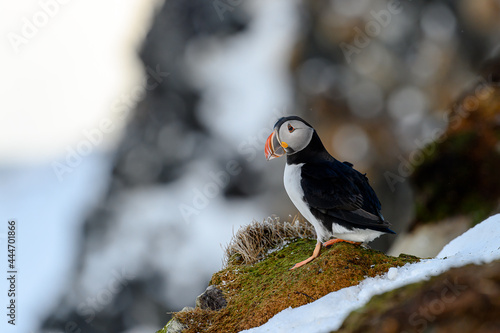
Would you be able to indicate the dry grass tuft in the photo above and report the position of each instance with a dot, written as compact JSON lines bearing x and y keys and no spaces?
{"x":252,"y":242}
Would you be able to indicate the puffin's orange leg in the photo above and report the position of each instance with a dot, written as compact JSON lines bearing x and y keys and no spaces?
{"x":338,"y":240}
{"x":315,"y":254}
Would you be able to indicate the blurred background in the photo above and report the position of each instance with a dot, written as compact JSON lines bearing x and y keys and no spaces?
{"x":132,"y":136}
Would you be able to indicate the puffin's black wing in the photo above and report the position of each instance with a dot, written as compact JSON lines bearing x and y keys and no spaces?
{"x":339,"y":193}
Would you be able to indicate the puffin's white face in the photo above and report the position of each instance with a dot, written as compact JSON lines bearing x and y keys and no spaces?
{"x":290,"y":137}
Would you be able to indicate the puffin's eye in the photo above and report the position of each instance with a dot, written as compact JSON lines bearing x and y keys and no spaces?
{"x":290,"y":128}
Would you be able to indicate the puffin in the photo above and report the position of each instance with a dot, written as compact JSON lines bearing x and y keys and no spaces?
{"x":333,"y":196}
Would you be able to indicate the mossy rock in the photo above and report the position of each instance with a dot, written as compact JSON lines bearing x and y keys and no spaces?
{"x":255,"y":293}
{"x":458,"y":179}
{"x":463,"y":299}
{"x":459,"y":175}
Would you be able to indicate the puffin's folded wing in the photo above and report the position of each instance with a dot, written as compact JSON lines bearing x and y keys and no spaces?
{"x":325,"y":188}
{"x":339,"y":191}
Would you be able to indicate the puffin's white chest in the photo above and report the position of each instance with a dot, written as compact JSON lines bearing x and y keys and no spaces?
{"x":296,"y":193}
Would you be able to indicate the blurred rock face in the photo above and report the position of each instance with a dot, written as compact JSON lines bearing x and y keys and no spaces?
{"x":459,"y":175}
{"x":165,"y":132}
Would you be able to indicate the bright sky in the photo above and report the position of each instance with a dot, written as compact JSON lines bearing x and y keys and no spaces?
{"x":65,"y":66}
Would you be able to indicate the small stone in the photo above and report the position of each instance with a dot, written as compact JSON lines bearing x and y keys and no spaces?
{"x":174,"y":326}
{"x":211,"y":299}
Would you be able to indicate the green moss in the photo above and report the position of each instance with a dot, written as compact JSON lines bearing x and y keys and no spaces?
{"x":257,"y":292}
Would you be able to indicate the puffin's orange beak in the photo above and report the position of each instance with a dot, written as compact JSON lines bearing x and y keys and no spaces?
{"x":273,"y":147}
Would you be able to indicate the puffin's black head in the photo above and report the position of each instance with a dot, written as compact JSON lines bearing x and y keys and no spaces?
{"x":291,"y":135}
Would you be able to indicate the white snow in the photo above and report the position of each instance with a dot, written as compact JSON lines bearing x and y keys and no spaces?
{"x":392,"y":273}
{"x":478,"y":245}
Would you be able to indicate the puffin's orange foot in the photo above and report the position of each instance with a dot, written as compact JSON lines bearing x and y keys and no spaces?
{"x":338,"y":240}
{"x":302,"y":263}
{"x":315,"y":254}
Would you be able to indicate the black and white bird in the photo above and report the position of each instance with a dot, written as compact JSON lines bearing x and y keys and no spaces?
{"x":335,"y":198}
